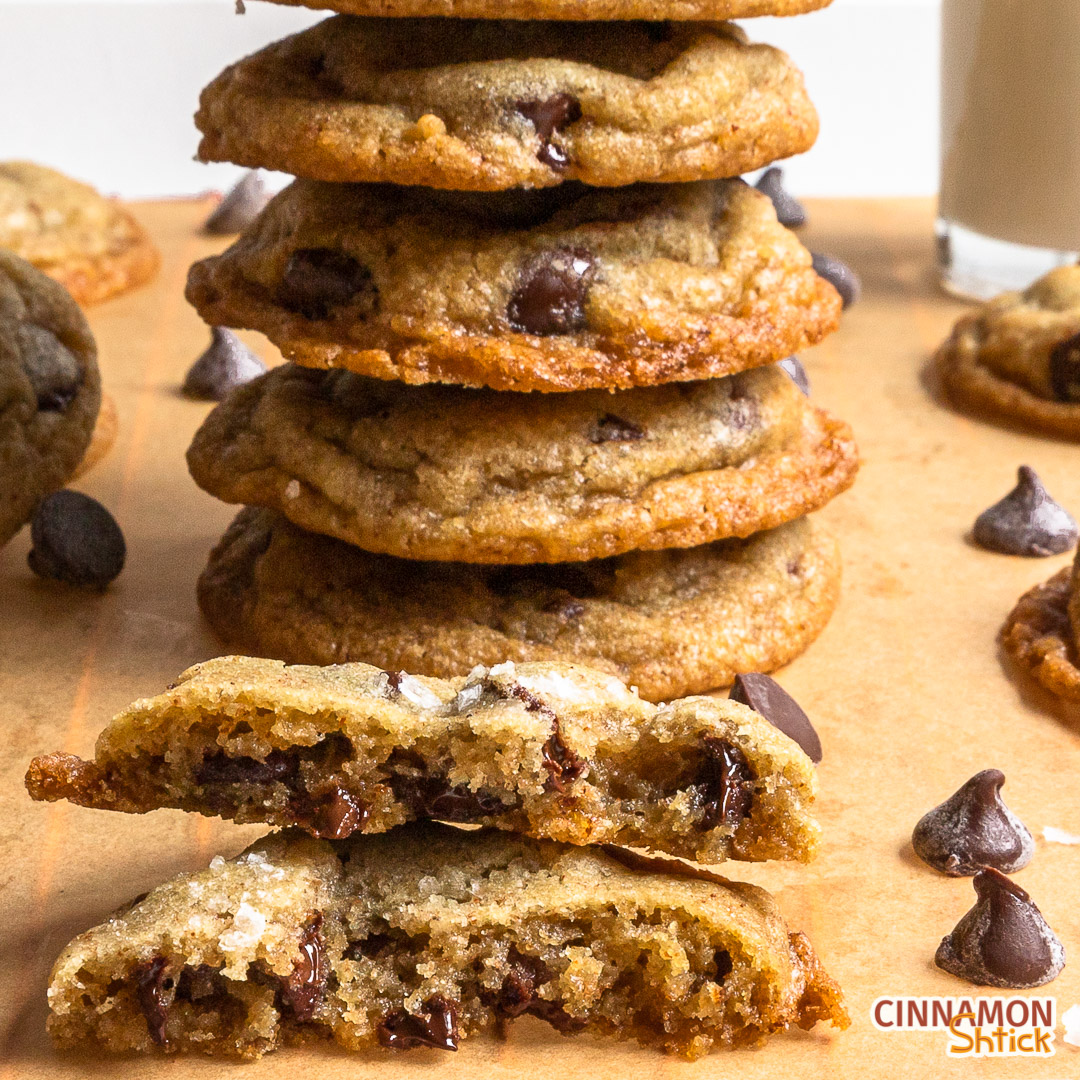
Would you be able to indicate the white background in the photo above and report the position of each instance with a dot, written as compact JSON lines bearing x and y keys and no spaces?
{"x":105,"y":89}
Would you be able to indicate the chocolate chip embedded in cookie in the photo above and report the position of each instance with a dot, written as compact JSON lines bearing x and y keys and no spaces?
{"x":550,"y":750}
{"x":670,"y":623}
{"x":583,"y":10}
{"x":559,"y":289}
{"x":449,"y":473}
{"x":50,"y":390}
{"x":429,"y":934}
{"x":1016,"y":358}
{"x":489,"y":105}
{"x":90,"y":244}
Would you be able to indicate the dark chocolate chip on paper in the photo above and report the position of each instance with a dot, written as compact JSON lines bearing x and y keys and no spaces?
{"x":973,"y":829}
{"x":226,"y":364}
{"x":766,"y":696}
{"x":76,"y":540}
{"x":789,"y":211}
{"x":1026,"y":522}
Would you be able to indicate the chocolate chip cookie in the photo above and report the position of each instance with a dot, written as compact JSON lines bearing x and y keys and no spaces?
{"x":1018,"y":357}
{"x":587,"y":10}
{"x":92,"y":245}
{"x":554,"y":751}
{"x":563,"y":288}
{"x":428,"y":934}
{"x":669,"y":623}
{"x":488,"y":105}
{"x":1040,"y":634}
{"x":450,"y":473}
{"x":50,"y":390}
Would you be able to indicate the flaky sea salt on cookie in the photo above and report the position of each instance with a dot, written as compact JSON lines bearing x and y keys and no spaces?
{"x":551,"y":750}
{"x":564,"y":288}
{"x":430,"y":934}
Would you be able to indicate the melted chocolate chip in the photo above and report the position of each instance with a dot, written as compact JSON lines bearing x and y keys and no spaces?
{"x":303,"y":990}
{"x":793,"y":366}
{"x":1026,"y":522}
{"x":560,"y":761}
{"x":335,"y":816}
{"x":1065,"y":369}
{"x":316,"y":280}
{"x":839,"y":275}
{"x":433,"y":797}
{"x":435,"y":1027}
{"x":789,"y":211}
{"x":393,"y":681}
{"x":226,"y":364}
{"x":244,"y":202}
{"x":219,"y":768}
{"x":612,"y":428}
{"x":770,"y":700}
{"x":548,"y":117}
{"x":1003,"y":940}
{"x":55,"y":374}
{"x":974,"y":829}
{"x":518,"y":994}
{"x":551,"y":293}
{"x":149,"y":992}
{"x":76,"y":540}
{"x":728,"y":784}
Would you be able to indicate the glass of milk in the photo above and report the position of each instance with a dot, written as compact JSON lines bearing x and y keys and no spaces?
{"x":1010,"y":157}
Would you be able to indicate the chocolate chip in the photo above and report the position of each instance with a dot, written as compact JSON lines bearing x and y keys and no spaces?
{"x":973,"y":829}
{"x":1026,"y":522}
{"x":1003,"y":940}
{"x":393,"y":681}
{"x":219,"y":768}
{"x":434,"y":797}
{"x":548,"y":117}
{"x":1065,"y":369}
{"x":76,"y":540}
{"x":551,"y":293}
{"x":768,"y":698}
{"x":519,"y":985}
{"x":789,"y":211}
{"x":53,"y":370}
{"x":244,"y":202}
{"x":436,"y":1027}
{"x":317,"y":280}
{"x":793,"y":366}
{"x":560,"y":761}
{"x":839,"y":275}
{"x":303,"y":990}
{"x":728,"y":784}
{"x":724,"y":965}
{"x":149,"y":992}
{"x":334,"y":817}
{"x":227,"y":364}
{"x":612,"y":428}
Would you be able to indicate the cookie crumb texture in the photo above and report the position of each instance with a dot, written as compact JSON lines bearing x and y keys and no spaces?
{"x":450,"y":473}
{"x":552,"y":750}
{"x":584,"y":10}
{"x":670,"y":623}
{"x":1017,"y":358}
{"x":429,"y":934}
{"x":558,"y":289}
{"x":492,"y":105}
{"x":91,"y":245}
{"x":50,"y":389}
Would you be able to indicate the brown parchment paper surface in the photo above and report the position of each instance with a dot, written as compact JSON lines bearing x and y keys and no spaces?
{"x":906,"y":687}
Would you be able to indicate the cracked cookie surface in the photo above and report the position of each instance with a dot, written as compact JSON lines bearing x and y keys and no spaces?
{"x":50,"y":390}
{"x":558,"y":289}
{"x":556,"y":751}
{"x":428,"y":934}
{"x":1017,"y":358}
{"x":489,"y":105}
{"x":669,"y":623}
{"x":450,"y":473}
{"x":92,"y":245}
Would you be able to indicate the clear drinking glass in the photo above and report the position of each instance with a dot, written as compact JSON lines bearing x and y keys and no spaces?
{"x":1010,"y":142}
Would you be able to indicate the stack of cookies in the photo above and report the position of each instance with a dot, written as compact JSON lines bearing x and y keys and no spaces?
{"x":364,"y":921}
{"x":534,"y":410}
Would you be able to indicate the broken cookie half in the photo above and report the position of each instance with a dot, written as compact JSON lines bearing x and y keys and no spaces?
{"x":423,"y":936}
{"x":550,"y":750}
